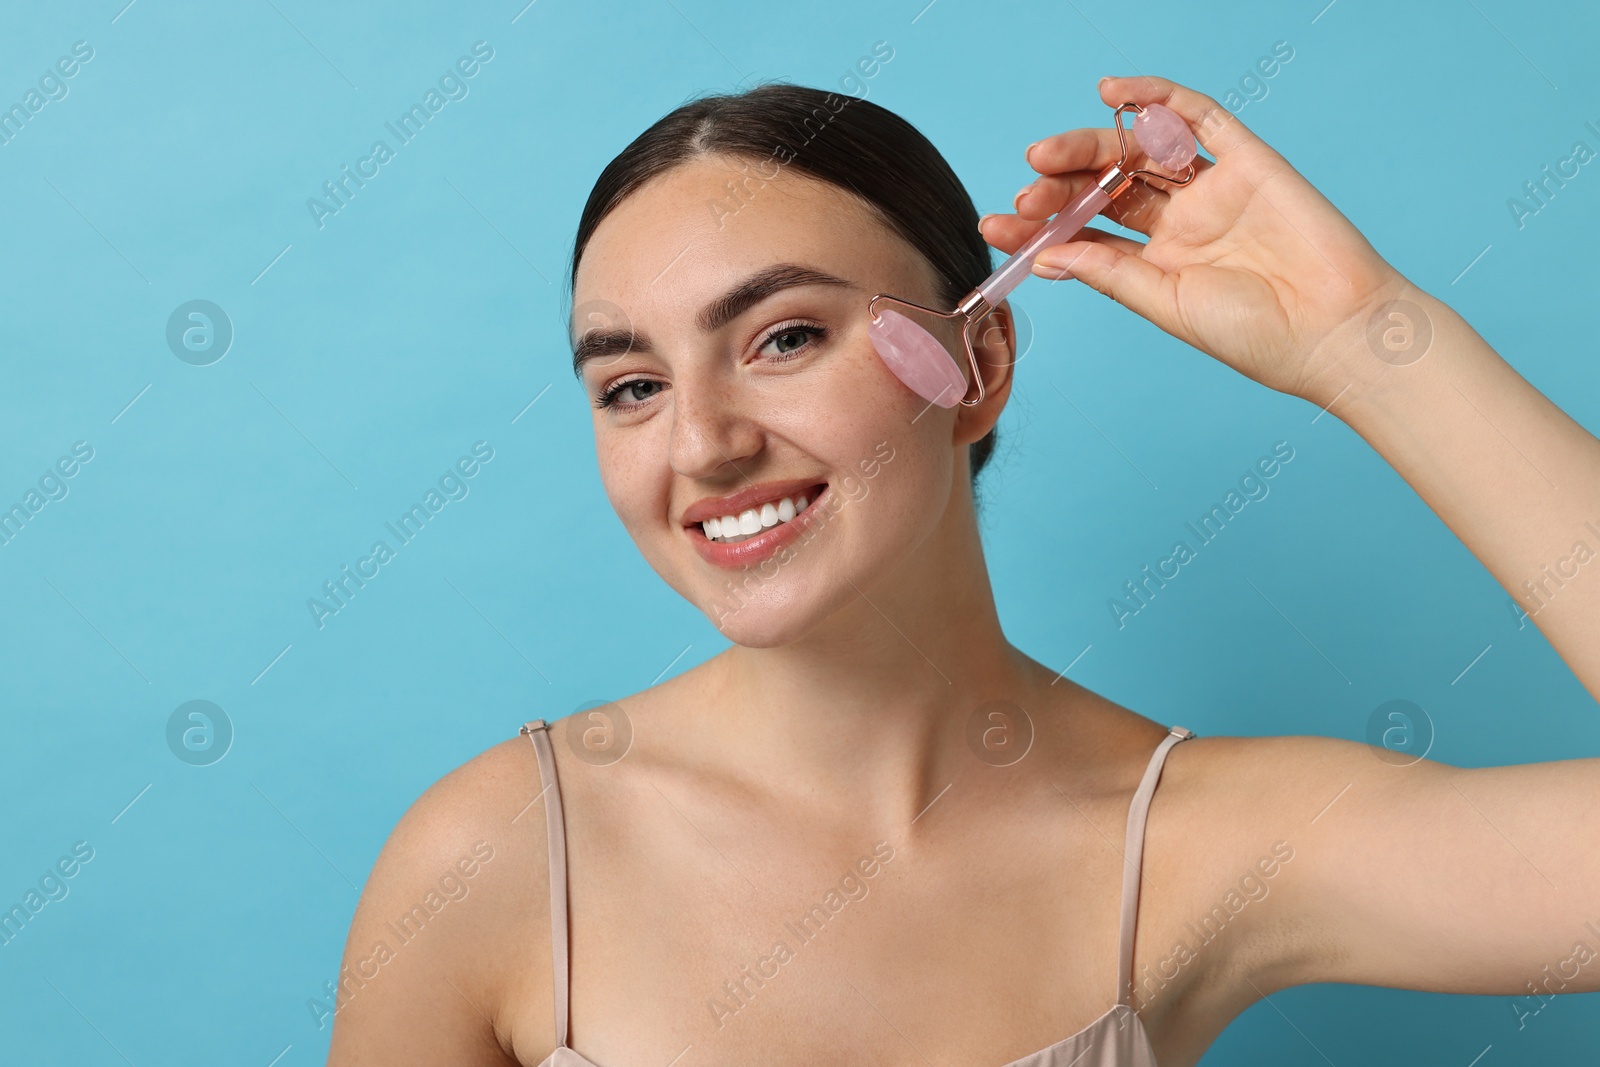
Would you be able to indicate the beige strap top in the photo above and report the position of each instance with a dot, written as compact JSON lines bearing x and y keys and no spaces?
{"x":1116,"y":1039}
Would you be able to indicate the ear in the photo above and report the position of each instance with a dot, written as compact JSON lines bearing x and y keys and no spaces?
{"x":994,"y":341}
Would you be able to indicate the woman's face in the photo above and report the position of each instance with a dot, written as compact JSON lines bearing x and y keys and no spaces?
{"x":725,"y":338}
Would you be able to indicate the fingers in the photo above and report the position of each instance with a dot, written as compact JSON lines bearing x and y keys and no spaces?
{"x":1137,"y":207}
{"x":1084,"y":149}
{"x":1124,"y":245}
{"x":1088,"y":150}
{"x":1050,"y":193}
{"x":1217,"y":129}
{"x":1068,"y":161}
{"x":1008,"y":232}
{"x":1109,"y":265}
{"x":1201,"y":165}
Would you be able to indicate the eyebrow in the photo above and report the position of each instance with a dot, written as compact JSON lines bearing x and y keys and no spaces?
{"x":714,"y":316}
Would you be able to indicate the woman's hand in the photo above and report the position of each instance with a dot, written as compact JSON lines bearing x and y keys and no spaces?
{"x":1247,"y":262}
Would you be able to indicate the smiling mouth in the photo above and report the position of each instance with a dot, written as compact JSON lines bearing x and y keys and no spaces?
{"x":751,"y":522}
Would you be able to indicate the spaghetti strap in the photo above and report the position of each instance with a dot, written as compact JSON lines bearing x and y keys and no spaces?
{"x":556,"y":831}
{"x":539,"y":732}
{"x":1133,"y":858}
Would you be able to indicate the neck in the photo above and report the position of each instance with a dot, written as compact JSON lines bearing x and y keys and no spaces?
{"x":872,"y":708}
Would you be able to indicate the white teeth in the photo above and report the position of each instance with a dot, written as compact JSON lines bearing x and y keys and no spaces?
{"x":731,"y":528}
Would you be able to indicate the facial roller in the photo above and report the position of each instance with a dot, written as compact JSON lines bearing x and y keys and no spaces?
{"x":919,"y":360}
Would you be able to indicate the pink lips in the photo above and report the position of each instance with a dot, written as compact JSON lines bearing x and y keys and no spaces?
{"x":714,"y":507}
{"x":763,"y":545}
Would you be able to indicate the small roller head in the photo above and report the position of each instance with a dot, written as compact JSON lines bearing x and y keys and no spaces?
{"x":1165,"y":137}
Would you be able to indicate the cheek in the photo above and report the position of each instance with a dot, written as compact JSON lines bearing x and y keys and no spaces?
{"x":913,"y":489}
{"x":874,"y":412}
{"x":853,"y":416}
{"x":841,"y":410}
{"x":630,"y":472}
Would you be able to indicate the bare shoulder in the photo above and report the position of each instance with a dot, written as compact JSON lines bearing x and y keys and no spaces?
{"x":1245,"y":790}
{"x":1223,"y":799}
{"x":1291,"y":772}
{"x":1239,"y":835}
{"x":429,"y":974}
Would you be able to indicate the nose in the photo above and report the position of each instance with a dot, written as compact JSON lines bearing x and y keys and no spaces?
{"x":712,"y":434}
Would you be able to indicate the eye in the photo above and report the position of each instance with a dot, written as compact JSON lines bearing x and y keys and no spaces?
{"x":634,"y":391}
{"x":792,"y":339}
{"x":785,"y":342}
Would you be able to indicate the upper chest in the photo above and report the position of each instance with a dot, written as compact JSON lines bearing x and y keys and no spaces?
{"x":744,"y":933}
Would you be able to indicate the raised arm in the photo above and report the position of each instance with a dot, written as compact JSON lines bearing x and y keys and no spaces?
{"x":1250,"y":264}
{"x":1413,"y":876}
{"x":1510,"y":473}
{"x":1423,"y":876}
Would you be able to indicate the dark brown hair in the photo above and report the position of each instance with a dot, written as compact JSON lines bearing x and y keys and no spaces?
{"x":845,"y":140}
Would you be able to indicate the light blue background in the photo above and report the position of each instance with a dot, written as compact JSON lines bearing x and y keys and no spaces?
{"x":427,"y":314}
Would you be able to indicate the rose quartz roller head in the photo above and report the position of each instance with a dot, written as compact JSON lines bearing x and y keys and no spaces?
{"x":919,"y":360}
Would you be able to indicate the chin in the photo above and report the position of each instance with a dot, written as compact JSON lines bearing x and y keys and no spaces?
{"x":770,"y":619}
{"x":760,"y":636}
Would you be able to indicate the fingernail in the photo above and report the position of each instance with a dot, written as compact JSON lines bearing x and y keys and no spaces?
{"x":1058,"y":267}
{"x":1021,"y":193}
{"x":1028,"y":155}
{"x":985,"y":219}
{"x":1101,"y":84}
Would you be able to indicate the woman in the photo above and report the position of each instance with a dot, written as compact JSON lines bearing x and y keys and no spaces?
{"x":874,"y":831}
